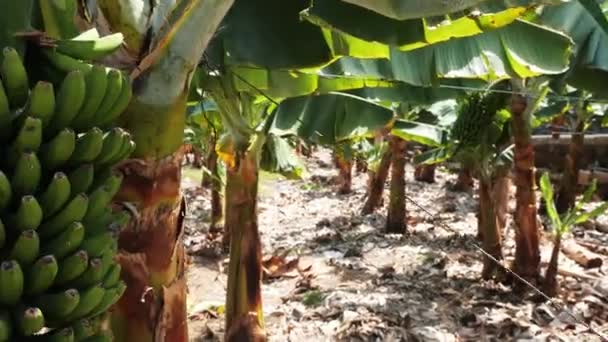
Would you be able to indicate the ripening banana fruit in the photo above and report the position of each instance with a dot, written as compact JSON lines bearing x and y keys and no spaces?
{"x":58,"y":231}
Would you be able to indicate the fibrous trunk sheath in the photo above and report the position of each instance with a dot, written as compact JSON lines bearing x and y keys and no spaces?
{"x":567,"y":191}
{"x":490,"y":229}
{"x":395,"y":219}
{"x":550,"y":284}
{"x":244,"y":318}
{"x":377,"y":179}
{"x":464,"y":182}
{"x":425,"y":173}
{"x":345,"y":167}
{"x":151,"y":253}
{"x":527,"y":254}
{"x":215,"y":186}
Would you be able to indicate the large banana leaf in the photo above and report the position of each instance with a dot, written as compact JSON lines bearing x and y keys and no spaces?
{"x":338,"y":17}
{"x":333,"y":118}
{"x":269,"y":33}
{"x":408,"y":9}
{"x":521,"y":49}
{"x":590,"y":62}
{"x":328,"y":119}
{"x":422,"y":133}
{"x":279,"y":84}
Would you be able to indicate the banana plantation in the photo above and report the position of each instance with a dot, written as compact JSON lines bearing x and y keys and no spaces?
{"x":329,"y":170}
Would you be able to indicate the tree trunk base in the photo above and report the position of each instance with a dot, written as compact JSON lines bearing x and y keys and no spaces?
{"x":152,"y":257}
{"x":464,"y":182}
{"x":425,"y":173}
{"x":376,"y":183}
{"x":396,"y":218}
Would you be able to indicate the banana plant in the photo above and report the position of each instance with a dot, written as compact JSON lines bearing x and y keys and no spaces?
{"x":478,"y":139}
{"x":563,"y":224}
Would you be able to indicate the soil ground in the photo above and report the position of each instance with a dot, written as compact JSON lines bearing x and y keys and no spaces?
{"x":348,"y":281}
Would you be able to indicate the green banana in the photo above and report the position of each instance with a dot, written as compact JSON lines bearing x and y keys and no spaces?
{"x":26,"y":248}
{"x":99,"y":199}
{"x":101,"y":223}
{"x":112,"y":94}
{"x":6,"y":327}
{"x":125,"y":151}
{"x":112,"y":277}
{"x":6,"y":192}
{"x":109,"y":178}
{"x":58,"y":18}
{"x":88,"y":146}
{"x":83,"y":328}
{"x":121,"y":103}
{"x":6,"y":116}
{"x":2,"y":234}
{"x":28,"y":139}
{"x":14,"y":77}
{"x":93,"y":274}
{"x":90,"y":49}
{"x":96,"y":245}
{"x":112,"y":143}
{"x":30,"y":320}
{"x":89,"y":300}
{"x":57,"y":306}
{"x":42,"y":102}
{"x":59,"y":335}
{"x":26,"y":176}
{"x":96,"y":82}
{"x":66,"y":242}
{"x":110,"y":297}
{"x":74,"y":211}
{"x":72,"y":267}
{"x":58,"y":151}
{"x":41,"y":275}
{"x":66,"y":63}
{"x":81,"y":178}
{"x":57,"y":193}
{"x":27,"y":216}
{"x":70,"y":98}
{"x":11,"y":282}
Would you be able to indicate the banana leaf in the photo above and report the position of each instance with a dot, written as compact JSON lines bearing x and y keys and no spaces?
{"x":521,"y":50}
{"x":590,"y":54}
{"x":381,"y":31}
{"x":426,"y":134}
{"x":408,"y":9}
{"x":279,"y":157}
{"x":329,"y":119}
{"x":269,"y":34}
{"x":279,"y":84}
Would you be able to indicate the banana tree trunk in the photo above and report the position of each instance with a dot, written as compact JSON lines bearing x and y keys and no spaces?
{"x":377,"y":179}
{"x":527,"y":254}
{"x":464,"y":182}
{"x":425,"y":173}
{"x":244,"y":317}
{"x":491,"y":224}
{"x":568,"y":188}
{"x":550,"y":285}
{"x":161,"y":59}
{"x":215,"y":185}
{"x":345,"y":177}
{"x":153,"y":307}
{"x":395,"y":219}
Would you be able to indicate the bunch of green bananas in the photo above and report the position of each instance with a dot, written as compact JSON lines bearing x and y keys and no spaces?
{"x":58,"y":233}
